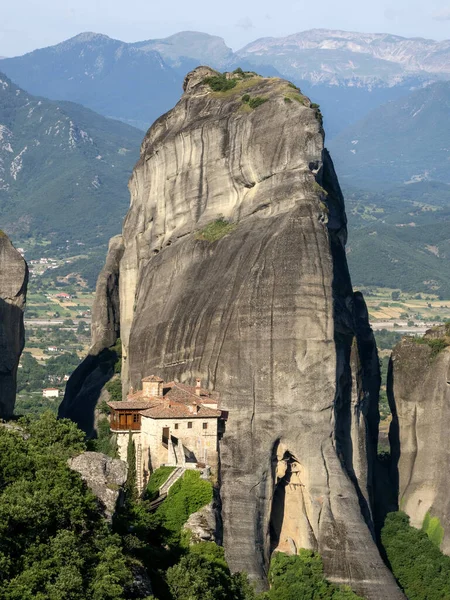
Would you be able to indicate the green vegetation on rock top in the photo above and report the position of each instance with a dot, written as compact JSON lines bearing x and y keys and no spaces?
{"x":220,"y":83}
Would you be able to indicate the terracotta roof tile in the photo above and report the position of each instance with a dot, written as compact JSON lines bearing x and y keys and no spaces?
{"x":180,"y":411}
{"x":175,"y":402}
{"x":133,"y":404}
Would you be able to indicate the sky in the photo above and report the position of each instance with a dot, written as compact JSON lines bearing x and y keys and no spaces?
{"x":31,"y":24}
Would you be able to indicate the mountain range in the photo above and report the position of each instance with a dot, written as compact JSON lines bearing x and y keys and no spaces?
{"x":385,"y":100}
{"x":347,"y":73}
{"x":402,"y":141}
{"x":63,"y":169}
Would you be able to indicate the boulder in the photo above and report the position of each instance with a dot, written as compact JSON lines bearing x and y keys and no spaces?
{"x":105,"y":477}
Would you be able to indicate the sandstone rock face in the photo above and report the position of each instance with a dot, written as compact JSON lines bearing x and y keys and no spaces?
{"x":419,"y":394}
{"x":264,"y":313}
{"x":13,"y":290}
{"x":104,"y":475}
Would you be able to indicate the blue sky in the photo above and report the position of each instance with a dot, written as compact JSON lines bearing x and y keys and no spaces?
{"x":31,"y":24}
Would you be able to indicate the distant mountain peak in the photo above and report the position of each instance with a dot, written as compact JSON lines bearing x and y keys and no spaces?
{"x":88,"y":36}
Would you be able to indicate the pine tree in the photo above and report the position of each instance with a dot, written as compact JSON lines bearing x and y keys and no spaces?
{"x":131,"y":485}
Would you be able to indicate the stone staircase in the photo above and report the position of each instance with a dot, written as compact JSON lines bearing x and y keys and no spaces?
{"x":164,"y":489}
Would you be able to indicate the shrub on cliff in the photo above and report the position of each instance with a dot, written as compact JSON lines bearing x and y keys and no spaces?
{"x":419,"y":566}
{"x":257,"y":101}
{"x":301,"y":576}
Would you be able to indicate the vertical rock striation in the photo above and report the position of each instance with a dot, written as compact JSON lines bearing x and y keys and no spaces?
{"x":13,"y":290}
{"x":419,"y":395}
{"x":234,"y":270}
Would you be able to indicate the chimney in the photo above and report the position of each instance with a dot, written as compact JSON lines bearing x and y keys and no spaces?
{"x":198,"y":387}
{"x":152,"y":386}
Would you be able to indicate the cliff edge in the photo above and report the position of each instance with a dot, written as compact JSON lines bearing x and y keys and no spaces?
{"x":13,"y":290}
{"x":419,"y":395}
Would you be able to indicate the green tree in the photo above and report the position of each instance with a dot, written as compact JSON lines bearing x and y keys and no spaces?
{"x":131,"y":485}
{"x":54,"y":541}
{"x":416,"y":561}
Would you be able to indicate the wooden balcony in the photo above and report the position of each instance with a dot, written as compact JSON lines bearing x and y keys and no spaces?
{"x":125,"y":421}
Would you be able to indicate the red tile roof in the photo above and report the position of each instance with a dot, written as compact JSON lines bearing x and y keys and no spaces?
{"x":134,"y":404}
{"x":174,"y":403}
{"x":180,"y":411}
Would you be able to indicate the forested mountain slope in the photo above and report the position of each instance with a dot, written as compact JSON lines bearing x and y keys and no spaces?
{"x":402,"y":141}
{"x":63,"y":169}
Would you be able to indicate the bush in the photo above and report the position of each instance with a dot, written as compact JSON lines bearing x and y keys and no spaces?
{"x":419,"y":566}
{"x":257,"y":101}
{"x":246,"y":98}
{"x":220,"y":83}
{"x":114,"y":388}
{"x":204,"y":575}
{"x":436,"y":345}
{"x":287,"y":100}
{"x":301,"y":577}
{"x":105,"y":441}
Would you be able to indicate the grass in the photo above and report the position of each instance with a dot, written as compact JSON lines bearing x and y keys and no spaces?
{"x":157,"y":479}
{"x":187,"y":495}
{"x":215,"y":231}
{"x":433,"y":528}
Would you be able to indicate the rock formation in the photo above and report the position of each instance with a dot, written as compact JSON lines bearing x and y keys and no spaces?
{"x":203,"y":525}
{"x":233,"y":270}
{"x":419,"y":395}
{"x":13,"y":290}
{"x":86,"y":383}
{"x":105,"y":477}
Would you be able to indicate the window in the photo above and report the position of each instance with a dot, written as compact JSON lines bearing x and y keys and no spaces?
{"x":135,"y":418}
{"x":189,"y":424}
{"x":205,"y":425}
{"x":176,"y":425}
